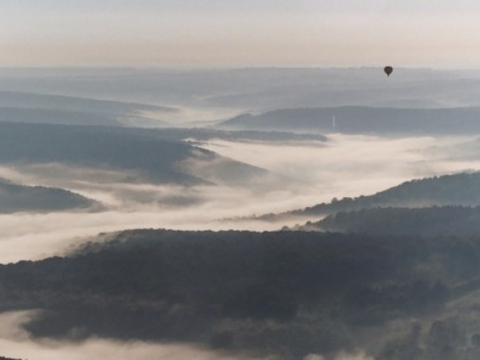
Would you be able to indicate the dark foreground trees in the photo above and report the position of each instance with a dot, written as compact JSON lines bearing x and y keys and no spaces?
{"x":286,"y":293}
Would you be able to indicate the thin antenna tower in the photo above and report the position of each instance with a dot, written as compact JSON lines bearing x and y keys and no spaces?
{"x":333,"y":123}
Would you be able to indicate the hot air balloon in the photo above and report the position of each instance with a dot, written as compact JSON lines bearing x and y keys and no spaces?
{"x":388,"y":70}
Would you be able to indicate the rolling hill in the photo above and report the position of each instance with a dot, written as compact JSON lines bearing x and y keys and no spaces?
{"x":145,"y":155}
{"x":281,"y":295}
{"x":68,"y":110}
{"x":458,"y":189}
{"x":431,"y":221}
{"x":12,"y":99}
{"x":362,"y":120}
{"x":20,"y":198}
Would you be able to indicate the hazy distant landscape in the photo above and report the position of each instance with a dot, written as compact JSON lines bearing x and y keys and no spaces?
{"x":252,"y":213}
{"x":239,"y":180}
{"x":363,"y":120}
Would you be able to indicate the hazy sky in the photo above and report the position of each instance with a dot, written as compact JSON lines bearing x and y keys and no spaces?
{"x":440,"y":33}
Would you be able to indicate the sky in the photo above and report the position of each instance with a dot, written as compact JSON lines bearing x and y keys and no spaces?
{"x":210,"y":33}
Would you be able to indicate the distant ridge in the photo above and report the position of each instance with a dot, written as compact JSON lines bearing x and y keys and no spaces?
{"x":431,"y":221}
{"x":20,"y":198}
{"x":60,"y":117}
{"x":458,"y":189}
{"x":143,"y":154}
{"x":68,"y":110}
{"x":448,"y":190}
{"x":73,"y":103}
{"x":363,"y":120}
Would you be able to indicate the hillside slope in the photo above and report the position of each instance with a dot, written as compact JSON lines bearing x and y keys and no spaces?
{"x":19,"y":198}
{"x":283,"y":294}
{"x":458,"y":189}
{"x":144,"y":155}
{"x":362,"y":120}
{"x":432,"y":221}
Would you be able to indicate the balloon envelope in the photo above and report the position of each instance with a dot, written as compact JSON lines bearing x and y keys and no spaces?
{"x":388,"y":70}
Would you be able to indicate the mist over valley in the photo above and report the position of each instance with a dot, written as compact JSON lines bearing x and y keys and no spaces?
{"x":256,"y":213}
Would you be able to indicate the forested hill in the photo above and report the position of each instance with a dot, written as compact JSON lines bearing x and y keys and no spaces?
{"x":459,"y":189}
{"x":287,"y":294}
{"x":433,"y":221}
{"x":20,"y":198}
{"x":207,"y":134}
{"x":363,"y":120}
{"x":50,"y":116}
{"x":29,"y":100}
{"x":94,"y":147}
{"x":69,"y":110}
{"x":143,"y":155}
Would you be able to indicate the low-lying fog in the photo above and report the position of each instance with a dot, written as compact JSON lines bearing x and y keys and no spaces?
{"x":16,"y":343}
{"x":315,"y":172}
{"x":310,"y":172}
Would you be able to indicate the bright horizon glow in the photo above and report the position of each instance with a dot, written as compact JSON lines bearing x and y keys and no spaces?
{"x":213,"y":33}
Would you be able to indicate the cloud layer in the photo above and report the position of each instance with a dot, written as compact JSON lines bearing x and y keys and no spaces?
{"x":16,"y":343}
{"x":346,"y":166}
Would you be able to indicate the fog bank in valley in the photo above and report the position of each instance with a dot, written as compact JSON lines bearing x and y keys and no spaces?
{"x":313,"y":173}
{"x":350,"y":165}
{"x":190,"y":188}
{"x":17,"y":343}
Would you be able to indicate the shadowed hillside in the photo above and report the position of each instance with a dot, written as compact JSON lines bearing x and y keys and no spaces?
{"x":363,"y":120}
{"x":146,"y":155}
{"x":11,"y":99}
{"x":434,"y":221}
{"x":19,"y":198}
{"x":459,"y":189}
{"x":56,"y":109}
{"x":286,"y":294}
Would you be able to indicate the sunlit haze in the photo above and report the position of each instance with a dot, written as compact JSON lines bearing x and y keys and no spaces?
{"x":239,"y":180}
{"x":321,"y":33}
